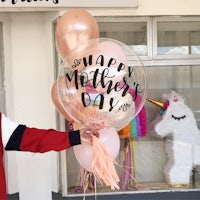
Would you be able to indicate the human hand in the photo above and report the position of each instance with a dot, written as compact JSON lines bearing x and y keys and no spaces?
{"x":86,"y":135}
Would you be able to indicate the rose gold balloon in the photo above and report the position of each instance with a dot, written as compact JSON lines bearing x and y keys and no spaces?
{"x":74,"y":27}
{"x":57,"y":103}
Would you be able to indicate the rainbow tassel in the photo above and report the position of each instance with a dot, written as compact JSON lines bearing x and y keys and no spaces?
{"x":133,"y":127}
{"x":137,"y":127}
{"x":125,"y":132}
{"x":143,"y":122}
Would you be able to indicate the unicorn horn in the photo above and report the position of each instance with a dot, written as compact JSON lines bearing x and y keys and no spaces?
{"x":157,"y":103}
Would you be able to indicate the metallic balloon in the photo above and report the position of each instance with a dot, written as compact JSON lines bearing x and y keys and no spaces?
{"x":73,"y":28}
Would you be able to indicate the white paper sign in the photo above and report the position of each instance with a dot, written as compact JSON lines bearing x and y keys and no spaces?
{"x":68,"y":3}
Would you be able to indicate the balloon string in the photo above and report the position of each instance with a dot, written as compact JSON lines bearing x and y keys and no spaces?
{"x":85,"y":185}
{"x":132,"y":148}
{"x":138,"y":186}
{"x":95,"y":187}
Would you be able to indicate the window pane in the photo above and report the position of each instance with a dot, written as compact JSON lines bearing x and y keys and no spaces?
{"x":133,"y":34}
{"x":182,"y":79}
{"x":178,"y":38}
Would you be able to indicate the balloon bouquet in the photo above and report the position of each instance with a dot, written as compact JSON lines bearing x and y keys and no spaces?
{"x":101,"y":85}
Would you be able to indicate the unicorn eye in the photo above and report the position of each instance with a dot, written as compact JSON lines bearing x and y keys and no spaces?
{"x":178,"y":118}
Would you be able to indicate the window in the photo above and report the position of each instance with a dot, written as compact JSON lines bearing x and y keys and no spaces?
{"x":132,"y":32}
{"x":178,"y":37}
{"x":170,"y":50}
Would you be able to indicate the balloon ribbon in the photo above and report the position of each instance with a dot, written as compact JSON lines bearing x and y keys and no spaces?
{"x":103,"y":165}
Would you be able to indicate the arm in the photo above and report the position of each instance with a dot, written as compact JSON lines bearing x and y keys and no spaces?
{"x":22,"y":138}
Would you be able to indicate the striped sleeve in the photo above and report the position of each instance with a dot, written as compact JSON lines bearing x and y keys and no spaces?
{"x":43,"y":140}
{"x":19,"y":137}
{"x":11,"y":131}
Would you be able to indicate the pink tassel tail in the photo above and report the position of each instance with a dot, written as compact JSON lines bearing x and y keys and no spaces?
{"x":103,"y":165}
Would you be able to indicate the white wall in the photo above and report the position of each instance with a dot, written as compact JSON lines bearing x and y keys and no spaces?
{"x":145,"y":7}
{"x":152,"y":8}
{"x":169,"y":7}
{"x":29,"y":77}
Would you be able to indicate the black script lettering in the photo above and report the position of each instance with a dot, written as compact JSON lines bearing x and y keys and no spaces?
{"x":111,"y":104}
{"x":84,"y":79}
{"x":104,"y":75}
{"x":85,"y":96}
{"x":101,"y":101}
{"x":121,"y":67}
{"x":89,"y":61}
{"x":77,"y":62}
{"x":112,"y":61}
{"x":126,"y":87}
{"x":100,"y":60}
{"x":70,"y":78}
{"x":124,"y":107}
{"x":130,"y":71}
{"x":95,"y":84}
{"x":98,"y":101}
{"x":100,"y":76}
{"x":110,"y":88}
{"x":137,"y":90}
{"x":28,"y":1}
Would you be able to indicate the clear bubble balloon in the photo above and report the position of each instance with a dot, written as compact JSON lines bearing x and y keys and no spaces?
{"x":102,"y":83}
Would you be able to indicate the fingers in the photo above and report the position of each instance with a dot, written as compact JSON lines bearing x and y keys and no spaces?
{"x":86,"y":135}
{"x":96,"y":134}
{"x":91,"y":132}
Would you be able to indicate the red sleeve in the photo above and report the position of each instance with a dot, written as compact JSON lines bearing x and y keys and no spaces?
{"x":41,"y":140}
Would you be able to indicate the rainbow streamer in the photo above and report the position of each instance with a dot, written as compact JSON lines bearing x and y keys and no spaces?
{"x":136,"y":128}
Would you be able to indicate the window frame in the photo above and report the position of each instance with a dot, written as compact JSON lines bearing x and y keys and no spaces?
{"x":152,"y":59}
{"x":134,"y":20}
{"x":193,"y":59}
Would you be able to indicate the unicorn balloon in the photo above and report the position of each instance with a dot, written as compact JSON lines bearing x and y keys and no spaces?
{"x":178,"y":125}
